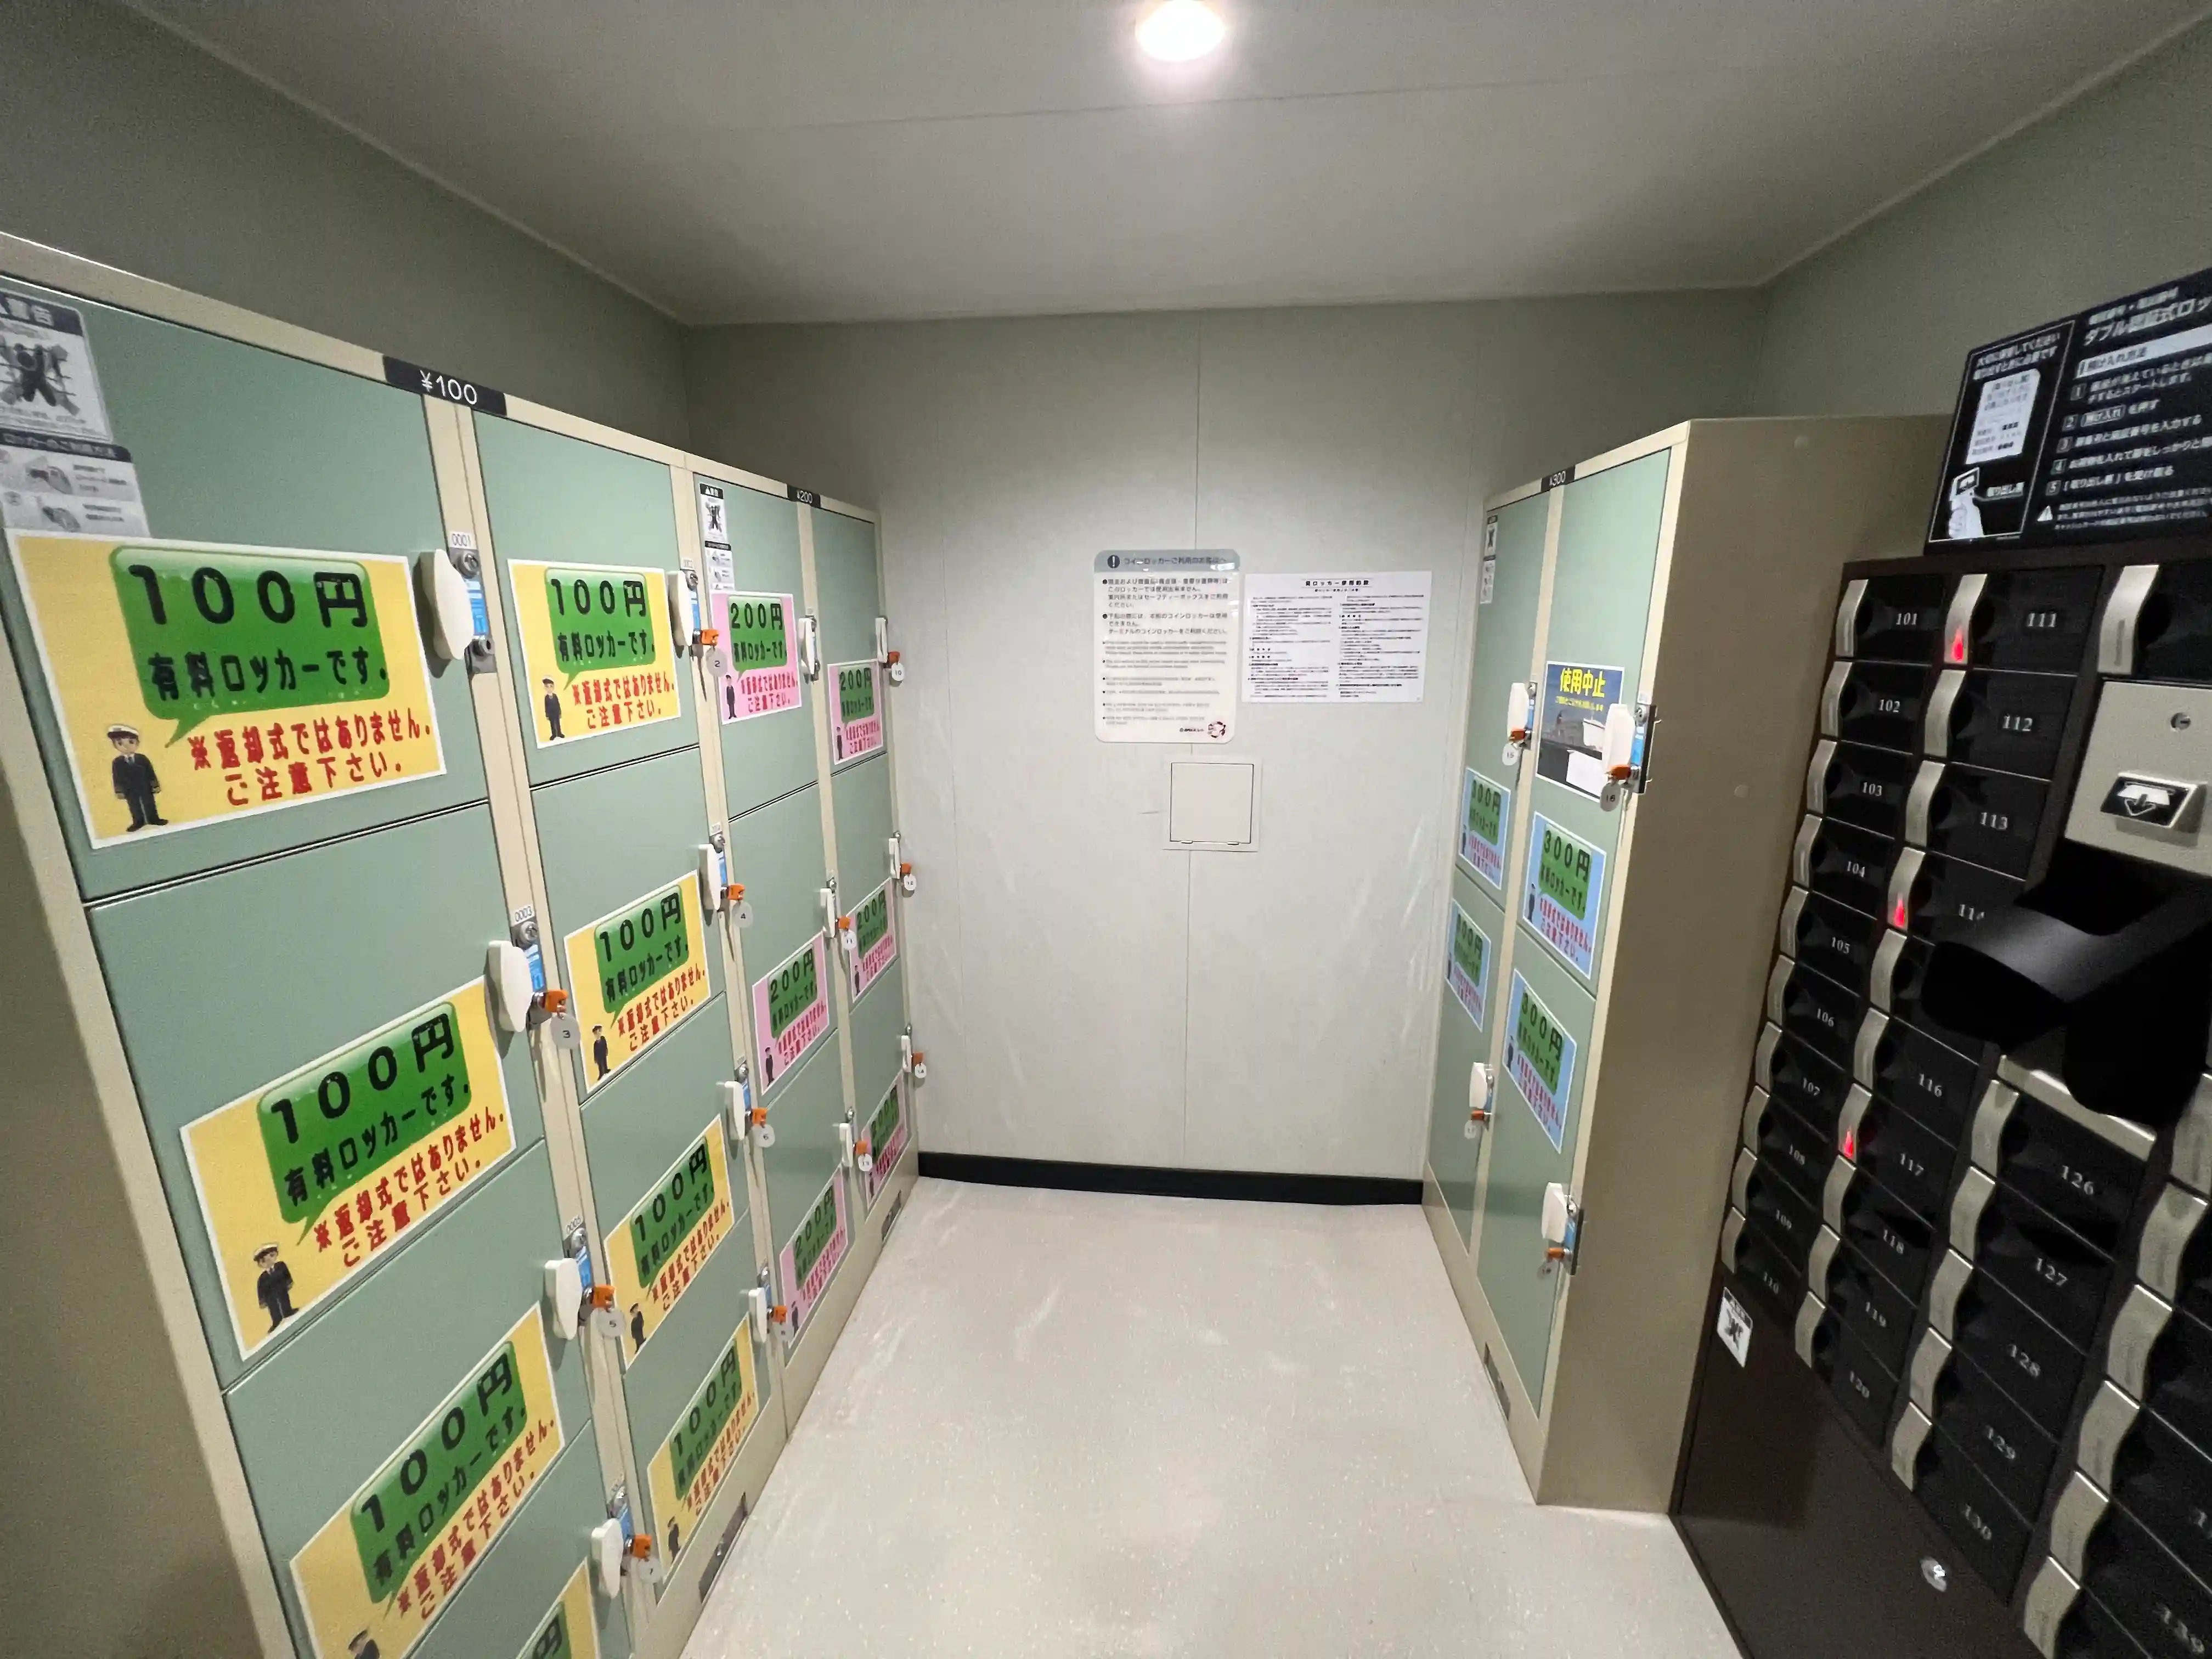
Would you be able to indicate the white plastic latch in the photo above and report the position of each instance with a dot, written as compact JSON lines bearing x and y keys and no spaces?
{"x":714,"y":881}
{"x":445,"y":595}
{"x":682,"y":596}
{"x":828,"y":898}
{"x":507,"y":972}
{"x":884,"y":640}
{"x":810,"y":647}
{"x":1519,"y":720}
{"x":911,"y":1060}
{"x":1479,"y":1086}
{"x":757,"y":1311}
{"x":1561,"y":1223}
{"x":607,"y":1556}
{"x":564,"y":1296}
{"x":848,"y":1155}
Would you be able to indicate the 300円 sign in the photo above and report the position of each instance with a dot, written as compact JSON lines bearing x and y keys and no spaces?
{"x":195,"y":682}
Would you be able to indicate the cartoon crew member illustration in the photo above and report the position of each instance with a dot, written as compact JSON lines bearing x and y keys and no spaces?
{"x":675,"y":1541}
{"x":730,"y":697}
{"x":599,"y":1047}
{"x":552,"y":708}
{"x":273,"y":1289}
{"x":135,"y":781}
{"x":636,"y":1326}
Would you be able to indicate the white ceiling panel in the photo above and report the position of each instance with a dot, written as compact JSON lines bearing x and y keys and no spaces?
{"x":863,"y":158}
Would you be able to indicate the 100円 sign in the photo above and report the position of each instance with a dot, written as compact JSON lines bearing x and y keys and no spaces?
{"x":385,"y":1565}
{"x":637,"y":971}
{"x":194,"y":682}
{"x":306,"y":1180}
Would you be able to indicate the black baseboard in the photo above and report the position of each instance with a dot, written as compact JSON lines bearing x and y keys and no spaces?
{"x":1255,"y":1185}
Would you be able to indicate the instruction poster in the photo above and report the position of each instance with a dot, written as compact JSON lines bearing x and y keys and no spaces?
{"x":809,"y":1258}
{"x":756,"y":636}
{"x":655,"y":1251}
{"x":571,"y":1630}
{"x":195,"y":682}
{"x":1486,"y":813}
{"x":1358,"y":637}
{"x":636,"y":973}
{"x":856,"y":719}
{"x":48,"y":385}
{"x":1998,"y":439}
{"x":791,"y":1008}
{"x":1540,"y":1058}
{"x":307,"y":1180}
{"x":596,"y":653}
{"x":875,"y":939}
{"x":887,"y":1140}
{"x":1467,"y":963}
{"x":1570,"y":725}
{"x":385,"y":1565}
{"x":689,"y":1468}
{"x":67,"y":486}
{"x":1562,"y":892}
{"x":715,"y":534}
{"x":1164,"y":645}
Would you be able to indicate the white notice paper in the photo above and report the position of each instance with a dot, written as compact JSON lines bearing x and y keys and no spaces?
{"x":1163,"y":635}
{"x":2001,"y":418}
{"x":1359,"y":637}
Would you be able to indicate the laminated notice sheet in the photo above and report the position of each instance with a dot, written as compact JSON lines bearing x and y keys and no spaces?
{"x":1163,"y":639}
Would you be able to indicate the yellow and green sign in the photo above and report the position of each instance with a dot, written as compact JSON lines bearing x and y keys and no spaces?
{"x":689,"y":1468}
{"x":307,"y":1179}
{"x":194,"y":682}
{"x":571,"y":1630}
{"x":636,"y":972}
{"x":655,"y":1251}
{"x":597,"y":656}
{"x":385,"y":1565}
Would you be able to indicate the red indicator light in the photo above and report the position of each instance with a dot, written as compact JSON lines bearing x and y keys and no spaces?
{"x":1902,"y":917}
{"x":1851,"y":1146}
{"x":1959,"y":645}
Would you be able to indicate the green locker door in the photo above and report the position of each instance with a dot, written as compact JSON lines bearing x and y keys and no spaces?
{"x":1511,"y":590}
{"x":396,"y":1444}
{"x":218,"y":660}
{"x":1608,"y":544}
{"x":847,"y":581}
{"x":756,"y":599}
{"x":1474,"y":933}
{"x":776,"y":854}
{"x":809,"y":1205}
{"x":309,"y":1035}
{"x":585,"y":537}
{"x":628,"y":934}
{"x":872,"y":957}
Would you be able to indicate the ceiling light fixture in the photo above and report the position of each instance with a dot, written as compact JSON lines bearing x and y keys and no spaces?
{"x":1177,"y":31}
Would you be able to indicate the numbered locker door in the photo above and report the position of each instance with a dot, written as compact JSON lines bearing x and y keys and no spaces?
{"x":1593,"y":659}
{"x":586,"y":543}
{"x":755,"y":603}
{"x":1510,"y":590}
{"x":211,"y":594}
{"x":871,"y":957}
{"x":847,"y":584}
{"x":776,"y":851}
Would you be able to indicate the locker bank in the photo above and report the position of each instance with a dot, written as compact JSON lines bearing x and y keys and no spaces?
{"x":1186,"y":828}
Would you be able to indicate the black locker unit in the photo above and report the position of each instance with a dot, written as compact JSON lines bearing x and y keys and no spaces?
{"x":1975,"y":1416}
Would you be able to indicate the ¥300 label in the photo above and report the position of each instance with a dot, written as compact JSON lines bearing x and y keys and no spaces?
{"x":1539,"y":1058}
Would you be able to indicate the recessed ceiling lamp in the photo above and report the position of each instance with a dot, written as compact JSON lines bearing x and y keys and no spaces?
{"x":1177,"y":31}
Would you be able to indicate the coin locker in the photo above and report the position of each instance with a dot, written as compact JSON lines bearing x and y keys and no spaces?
{"x":330,"y":918}
{"x":1463,"y":1077}
{"x":870,"y":957}
{"x":1595,"y":692}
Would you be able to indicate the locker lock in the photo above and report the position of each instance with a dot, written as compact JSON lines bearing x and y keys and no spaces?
{"x":894,"y":669}
{"x":900,"y":868}
{"x":810,"y":647}
{"x":853,"y":1149}
{"x":1519,"y":720}
{"x":1478,"y":1099}
{"x":1561,"y":1225}
{"x":1625,"y":753}
{"x":712,"y":657}
{"x":713,"y":877}
{"x":550,"y":1009}
{"x":761,"y":1132}
{"x":911,"y":1060}
{"x":848,"y":940}
{"x":684,"y":610}
{"x":507,"y":972}
{"x":449,"y":588}
{"x":741,"y":911}
{"x":604,"y":1317}
{"x":756,"y":1311}
{"x":607,"y":1548}
{"x":564,"y":1296}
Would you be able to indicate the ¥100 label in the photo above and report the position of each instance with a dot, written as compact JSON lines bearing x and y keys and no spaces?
{"x":689,"y":1468}
{"x":655,"y":1251}
{"x":597,"y":656}
{"x":856,"y":720}
{"x":1467,"y":963}
{"x":1486,"y":814}
{"x":195,"y":683}
{"x":875,"y":939}
{"x":307,"y":1180}
{"x":810,"y":1257}
{"x":636,"y":973}
{"x":385,"y":1565}
{"x":1563,"y":892}
{"x":791,"y":1009}
{"x":571,"y":1630}
{"x":1539,"y":1058}
{"x":887,"y":1139}
{"x":756,"y":634}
